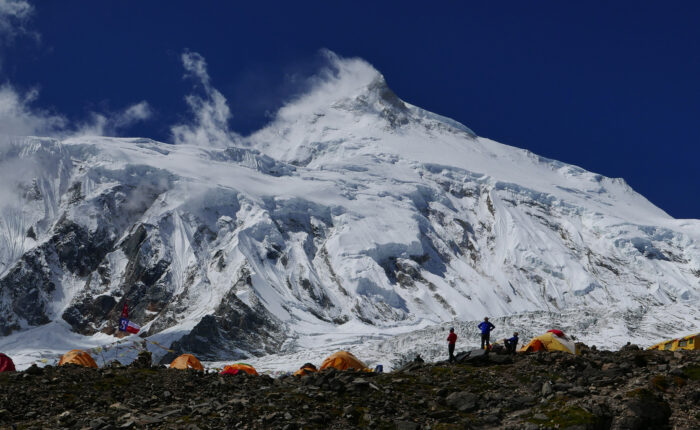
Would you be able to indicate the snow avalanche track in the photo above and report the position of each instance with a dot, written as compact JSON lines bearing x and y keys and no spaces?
{"x":352,"y":216}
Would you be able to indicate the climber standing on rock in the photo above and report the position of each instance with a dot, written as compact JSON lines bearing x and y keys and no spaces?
{"x":451,"y":340}
{"x":486,"y":328}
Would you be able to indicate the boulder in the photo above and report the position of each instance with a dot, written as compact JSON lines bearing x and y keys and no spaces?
{"x":143,"y":361}
{"x":406,"y":425}
{"x":500,"y":359}
{"x":643,"y":410}
{"x":463,"y":401}
{"x":547,"y":389}
{"x":460,"y":357}
{"x":475,"y":356}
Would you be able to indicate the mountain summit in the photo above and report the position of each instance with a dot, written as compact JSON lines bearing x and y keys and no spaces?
{"x":352,"y":212}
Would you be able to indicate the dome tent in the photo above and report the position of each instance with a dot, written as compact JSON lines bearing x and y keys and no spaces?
{"x":306,"y":369}
{"x":6,"y":363}
{"x":690,"y":342}
{"x":236,"y":369}
{"x":79,"y":357}
{"x":553,"y":340}
{"x":343,"y":360}
{"x":186,"y":361}
{"x":557,"y":332}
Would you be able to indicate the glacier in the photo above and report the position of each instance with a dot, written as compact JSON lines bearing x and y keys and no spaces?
{"x":352,"y":220}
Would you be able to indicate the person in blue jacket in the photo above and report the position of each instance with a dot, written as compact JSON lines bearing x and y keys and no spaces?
{"x":511,"y":343}
{"x":486,"y":328}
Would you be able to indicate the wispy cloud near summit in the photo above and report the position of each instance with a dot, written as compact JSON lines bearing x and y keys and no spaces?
{"x":111,"y":123}
{"x":211,"y":112}
{"x":17,"y":117}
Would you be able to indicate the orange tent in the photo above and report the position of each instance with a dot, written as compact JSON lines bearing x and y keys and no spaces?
{"x":76,"y":356}
{"x":306,"y":369}
{"x":186,"y":361}
{"x":235,"y":369}
{"x":343,"y":360}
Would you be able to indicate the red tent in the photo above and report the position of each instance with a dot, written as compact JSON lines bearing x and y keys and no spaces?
{"x":6,"y":364}
{"x":557,"y":332}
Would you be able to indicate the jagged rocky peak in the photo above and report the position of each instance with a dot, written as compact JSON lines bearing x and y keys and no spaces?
{"x":385,"y":94}
{"x":349,"y":107}
{"x":351,"y":85}
{"x":356,"y":87}
{"x":377,"y":98}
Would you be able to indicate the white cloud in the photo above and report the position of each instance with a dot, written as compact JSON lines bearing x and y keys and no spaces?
{"x":110,"y":124}
{"x":17,"y":115}
{"x":135,"y":113}
{"x":341,"y":78}
{"x":196,"y":66}
{"x":14,"y":15}
{"x":211,"y":112}
{"x":18,"y":118}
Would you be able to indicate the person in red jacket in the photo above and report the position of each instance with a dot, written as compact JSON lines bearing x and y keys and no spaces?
{"x":451,"y":340}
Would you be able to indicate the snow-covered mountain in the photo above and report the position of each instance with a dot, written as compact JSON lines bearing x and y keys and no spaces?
{"x":351,"y":213}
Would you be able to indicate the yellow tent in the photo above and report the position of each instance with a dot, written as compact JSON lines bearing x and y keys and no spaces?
{"x":234,"y":369}
{"x":186,"y":361}
{"x":76,"y":356}
{"x":343,"y":360}
{"x":666,"y":345}
{"x":689,"y":342}
{"x":550,"y":341}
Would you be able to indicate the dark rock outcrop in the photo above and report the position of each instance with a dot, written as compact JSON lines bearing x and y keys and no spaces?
{"x":234,"y":326}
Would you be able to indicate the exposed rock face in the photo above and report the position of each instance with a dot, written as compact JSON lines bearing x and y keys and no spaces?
{"x":83,"y":315}
{"x":233,"y":328}
{"x":29,"y":286}
{"x":598,"y":390}
{"x":80,"y":251}
{"x":26,"y":290}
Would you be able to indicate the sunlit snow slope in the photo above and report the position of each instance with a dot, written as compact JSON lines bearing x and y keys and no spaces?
{"x":352,"y":212}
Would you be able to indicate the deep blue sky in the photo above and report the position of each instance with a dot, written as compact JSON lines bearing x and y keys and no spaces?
{"x":612,"y":88}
